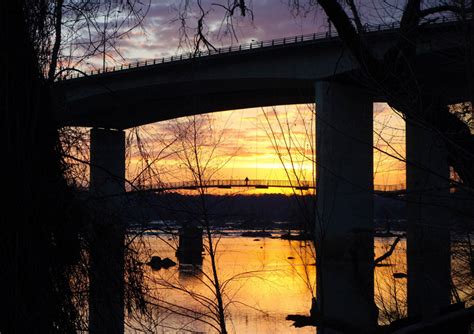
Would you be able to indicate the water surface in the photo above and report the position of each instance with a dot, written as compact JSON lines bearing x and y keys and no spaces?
{"x":265,"y":280}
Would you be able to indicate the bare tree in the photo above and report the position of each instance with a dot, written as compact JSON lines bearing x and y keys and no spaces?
{"x":51,"y":233}
{"x":197,"y":152}
{"x":296,"y":151}
{"x":394,"y":74}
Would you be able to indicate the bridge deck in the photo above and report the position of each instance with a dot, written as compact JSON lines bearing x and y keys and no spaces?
{"x":256,"y":184}
{"x":73,"y":73}
{"x":266,"y":73}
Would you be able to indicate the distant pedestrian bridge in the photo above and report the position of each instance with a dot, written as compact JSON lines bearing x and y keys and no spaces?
{"x":255,"y":184}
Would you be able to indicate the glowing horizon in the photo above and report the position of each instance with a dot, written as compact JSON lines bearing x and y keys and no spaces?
{"x":257,"y":142}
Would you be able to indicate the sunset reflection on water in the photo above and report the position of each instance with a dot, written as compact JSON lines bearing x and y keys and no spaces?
{"x":272,"y":278}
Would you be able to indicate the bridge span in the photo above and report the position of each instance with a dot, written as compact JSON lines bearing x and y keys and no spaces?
{"x":256,"y":184}
{"x":264,"y":73}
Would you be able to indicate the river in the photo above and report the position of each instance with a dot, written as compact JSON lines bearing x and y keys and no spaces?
{"x":265,"y":280}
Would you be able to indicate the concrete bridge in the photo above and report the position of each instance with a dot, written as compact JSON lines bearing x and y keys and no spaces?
{"x":306,"y":69}
{"x":276,"y":72}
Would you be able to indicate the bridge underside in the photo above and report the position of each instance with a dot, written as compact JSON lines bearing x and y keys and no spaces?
{"x":140,"y":106}
{"x":145,"y":105}
{"x":158,"y":103}
{"x":254,"y":78}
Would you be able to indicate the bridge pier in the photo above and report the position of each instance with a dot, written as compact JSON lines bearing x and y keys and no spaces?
{"x":344,"y":217}
{"x":190,"y":245}
{"x":107,"y":175}
{"x":428,"y":238}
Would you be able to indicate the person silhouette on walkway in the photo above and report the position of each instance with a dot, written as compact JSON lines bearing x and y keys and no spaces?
{"x":246,"y":181}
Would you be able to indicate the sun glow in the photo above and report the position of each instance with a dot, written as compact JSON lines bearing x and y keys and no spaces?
{"x":270,"y":143}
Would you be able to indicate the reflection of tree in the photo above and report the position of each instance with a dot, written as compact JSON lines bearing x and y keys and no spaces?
{"x":390,"y":283}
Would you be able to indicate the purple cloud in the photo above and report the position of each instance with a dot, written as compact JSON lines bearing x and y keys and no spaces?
{"x":163,"y":34}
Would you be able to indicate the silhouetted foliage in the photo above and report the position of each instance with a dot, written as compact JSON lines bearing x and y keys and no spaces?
{"x":40,"y":245}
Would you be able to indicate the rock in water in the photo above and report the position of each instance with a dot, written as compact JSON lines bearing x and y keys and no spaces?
{"x":167,"y":263}
{"x":400,"y":275}
{"x":156,"y":263}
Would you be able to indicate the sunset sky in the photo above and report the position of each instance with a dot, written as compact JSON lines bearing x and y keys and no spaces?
{"x":252,"y":144}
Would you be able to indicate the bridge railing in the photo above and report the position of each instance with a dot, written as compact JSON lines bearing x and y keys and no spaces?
{"x":389,"y":187}
{"x":245,"y":48}
{"x":303,"y":185}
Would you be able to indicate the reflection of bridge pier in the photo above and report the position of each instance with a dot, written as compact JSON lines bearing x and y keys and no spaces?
{"x":107,"y":175}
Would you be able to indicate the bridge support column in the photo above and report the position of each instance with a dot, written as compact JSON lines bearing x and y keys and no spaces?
{"x":428,"y":239}
{"x":107,"y":174}
{"x":190,"y":245}
{"x":344,"y":217}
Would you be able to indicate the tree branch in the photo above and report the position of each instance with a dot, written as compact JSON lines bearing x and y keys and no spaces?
{"x":58,"y":15}
{"x":388,"y":253}
{"x":349,"y":35}
{"x":444,"y":8}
